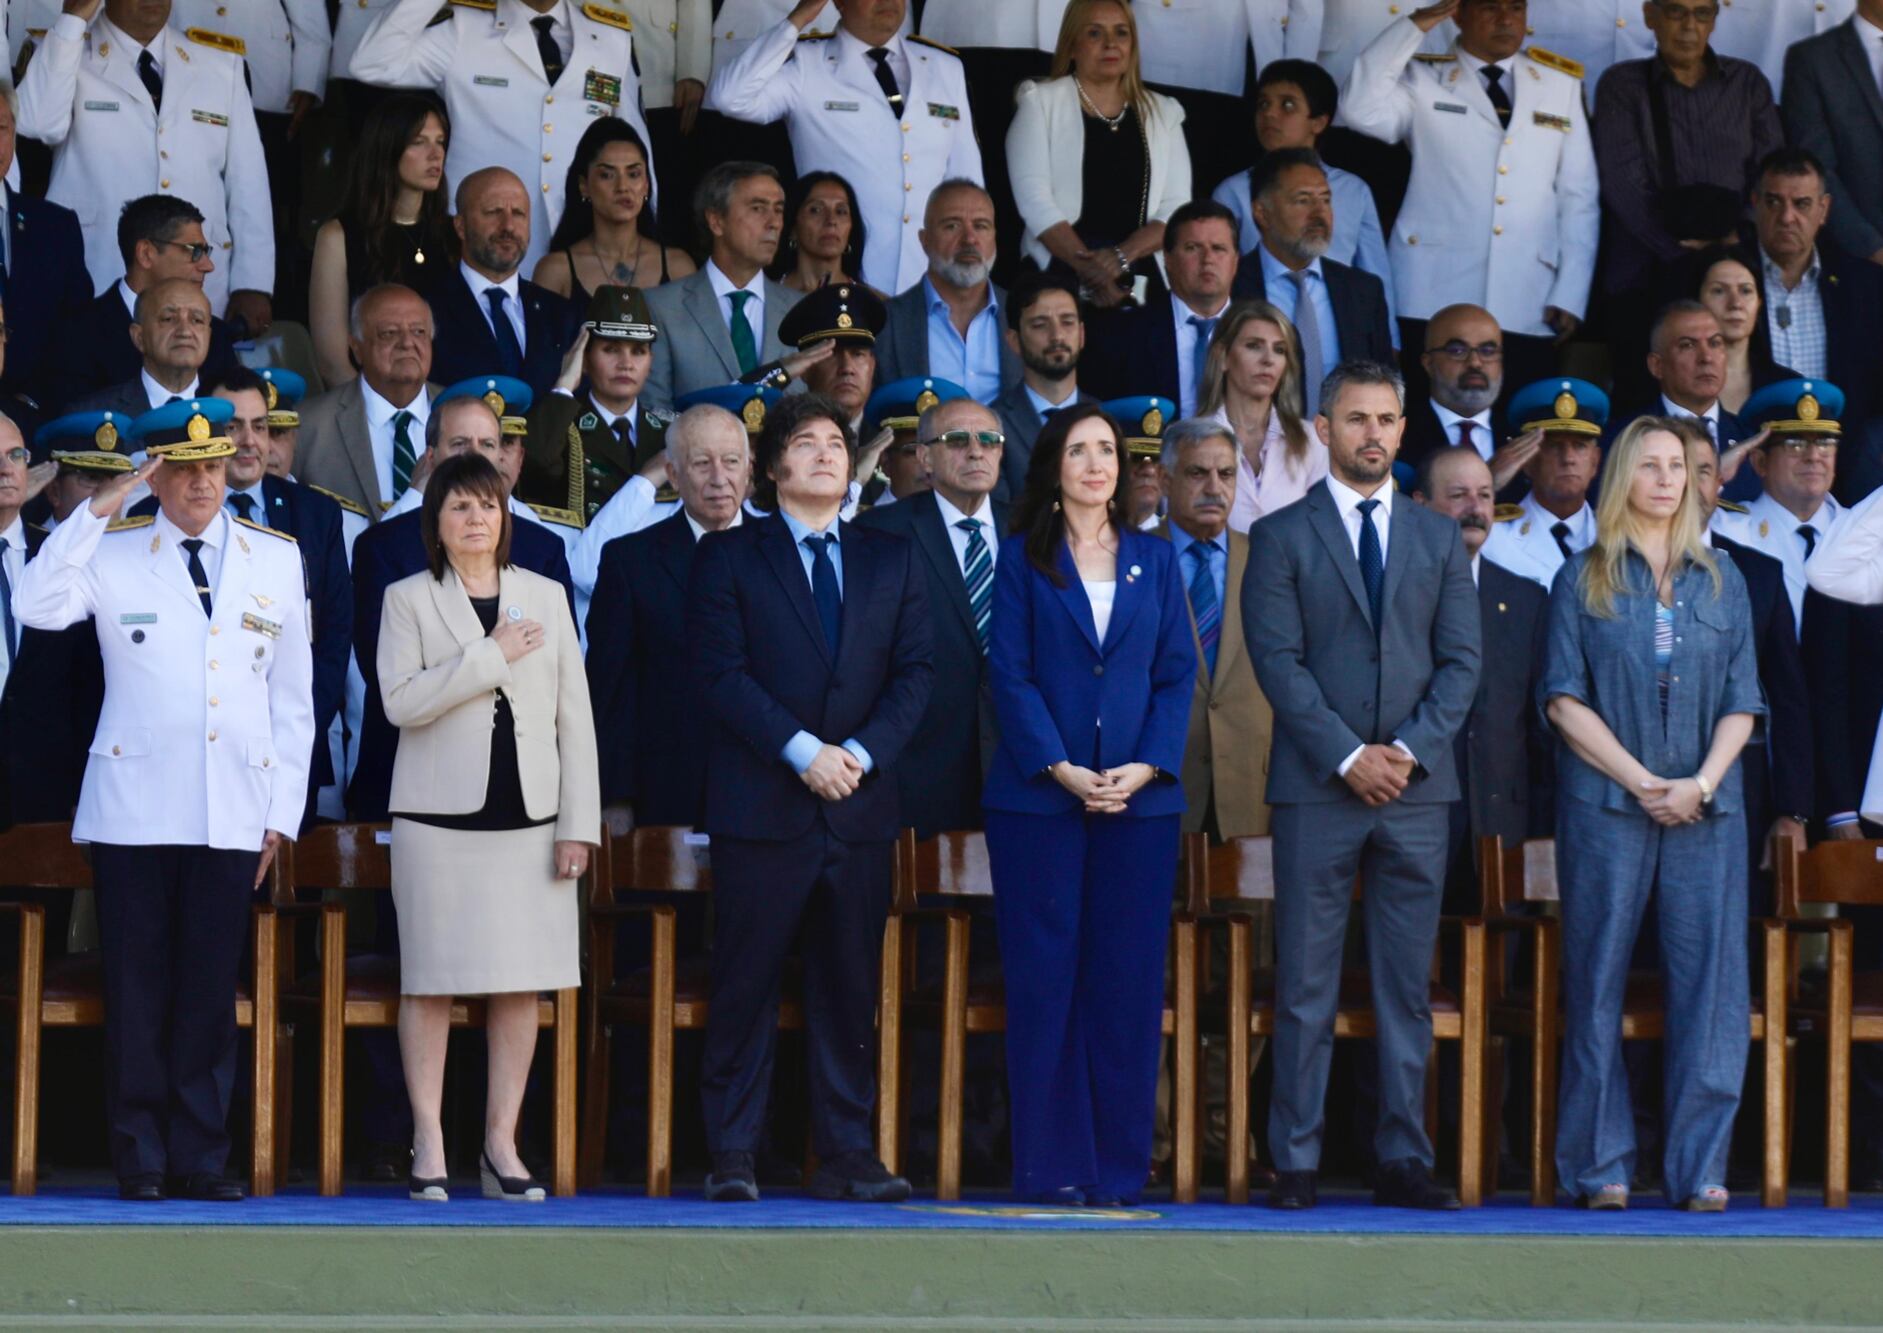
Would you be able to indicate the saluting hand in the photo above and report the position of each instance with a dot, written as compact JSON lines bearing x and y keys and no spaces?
{"x":872,"y":453}
{"x":1733,"y":457}
{"x":1508,"y":461}
{"x":571,"y":373}
{"x":109,"y":498}
{"x":83,"y":8}
{"x":1432,"y":15}
{"x":40,"y":476}
{"x":801,"y":16}
{"x":518,"y":638}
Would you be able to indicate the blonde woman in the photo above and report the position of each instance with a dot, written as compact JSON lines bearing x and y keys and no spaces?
{"x":1252,"y":385}
{"x":1097,"y":161}
{"x":1652,"y":683}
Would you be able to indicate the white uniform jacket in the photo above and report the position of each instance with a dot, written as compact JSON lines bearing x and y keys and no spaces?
{"x":1502,"y":218}
{"x":208,"y":721}
{"x":287,"y":42}
{"x":504,"y":111}
{"x":82,"y":97}
{"x":673,"y":40}
{"x":1762,"y":30}
{"x":839,"y":120}
{"x":1200,"y":43}
{"x":742,"y":22}
{"x":1348,"y":27}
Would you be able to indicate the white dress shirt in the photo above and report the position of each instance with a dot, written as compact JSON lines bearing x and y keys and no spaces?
{"x":1711,"y":417}
{"x":1186,"y":352}
{"x":1482,"y":437}
{"x":379,"y":415}
{"x":1872,"y":38}
{"x":158,"y":395}
{"x":513,"y":300}
{"x":724,"y":287}
{"x":699,"y":529}
{"x":1770,"y":527}
{"x":212,"y":536}
{"x":984,"y":519}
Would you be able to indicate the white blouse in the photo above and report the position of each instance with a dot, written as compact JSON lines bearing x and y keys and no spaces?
{"x":1283,"y":478}
{"x":1100,"y":595}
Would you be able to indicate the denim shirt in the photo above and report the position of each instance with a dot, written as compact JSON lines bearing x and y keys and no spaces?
{"x":1609,"y":665}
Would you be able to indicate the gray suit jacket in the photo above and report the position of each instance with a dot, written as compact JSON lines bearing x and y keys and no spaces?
{"x":1334,"y":684}
{"x":335,"y":451}
{"x":694,"y":350}
{"x":1021,"y":424}
{"x":126,"y":398}
{"x":1834,"y":108}
{"x":902,"y":350}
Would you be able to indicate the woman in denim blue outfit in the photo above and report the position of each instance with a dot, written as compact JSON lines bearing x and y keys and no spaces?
{"x":1652,"y":684}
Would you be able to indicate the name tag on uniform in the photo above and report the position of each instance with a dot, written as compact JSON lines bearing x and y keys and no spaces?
{"x":1549,"y":122}
{"x":251,"y":621}
{"x":1455,"y":108}
{"x":209,"y":118}
{"x":102,"y":106}
{"x":489,"y":81}
{"x":843,"y":106}
{"x":603,"y":88}
{"x":138,"y":618}
{"x":941,"y":112}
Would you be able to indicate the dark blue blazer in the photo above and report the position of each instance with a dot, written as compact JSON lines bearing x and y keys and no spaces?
{"x":756,"y":652}
{"x":382,"y":555}
{"x":464,"y":346}
{"x":46,"y":290}
{"x":1789,"y":703}
{"x":1061,"y":694}
{"x":1131,"y":352}
{"x":647,"y":718}
{"x":48,"y":713}
{"x":96,"y":353}
{"x":314,"y":522}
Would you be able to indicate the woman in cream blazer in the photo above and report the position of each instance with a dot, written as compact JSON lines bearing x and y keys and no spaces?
{"x":495,"y":804}
{"x":1095,"y":101}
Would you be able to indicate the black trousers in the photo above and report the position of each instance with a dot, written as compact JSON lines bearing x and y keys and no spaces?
{"x":172,"y":925}
{"x":837,"y":893}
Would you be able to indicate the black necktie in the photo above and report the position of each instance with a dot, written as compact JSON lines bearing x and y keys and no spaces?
{"x":1372,"y":560}
{"x":546,"y":47}
{"x":153,"y":81}
{"x":1560,"y":531}
{"x":194,"y":546}
{"x":244,"y":505}
{"x":886,"y":78}
{"x":509,"y":350}
{"x":1809,"y":533}
{"x":824,"y":588}
{"x":624,"y":432}
{"x":6,"y":605}
{"x":1500,"y":99}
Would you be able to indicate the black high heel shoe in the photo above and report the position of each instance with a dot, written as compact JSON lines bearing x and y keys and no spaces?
{"x":511,"y":1189}
{"x":432,"y":1189}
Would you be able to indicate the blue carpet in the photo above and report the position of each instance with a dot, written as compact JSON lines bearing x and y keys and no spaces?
{"x":1351,"y":1215}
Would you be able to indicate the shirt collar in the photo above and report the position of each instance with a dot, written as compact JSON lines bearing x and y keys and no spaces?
{"x":158,"y":395}
{"x":1475,"y":66}
{"x":1474,"y":566}
{"x":212,"y":536}
{"x":1773,"y":274}
{"x":1347,"y":499}
{"x":951,"y":515}
{"x":14,"y":534}
{"x":252,"y":492}
{"x":1581,"y":523}
{"x":699,"y":529}
{"x":1184,"y":312}
{"x":1041,"y":406}
{"x":1273,"y":270}
{"x":933,"y":298}
{"x":800,"y":529}
{"x":128,"y":296}
{"x":853,"y":47}
{"x":633,"y":414}
{"x":1182,"y":541}
{"x":379,"y":412}
{"x":480,"y":284}
{"x":1875,"y":34}
{"x":1674,"y":409}
{"x":724,"y":286}
{"x":159,"y":47}
{"x":1448,"y":418}
{"x":1783,"y":520}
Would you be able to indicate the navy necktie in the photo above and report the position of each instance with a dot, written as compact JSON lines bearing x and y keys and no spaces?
{"x":1499,"y":95}
{"x":1372,"y":560}
{"x":1809,"y":533}
{"x":1560,"y":531}
{"x":546,"y":47}
{"x":6,"y":606}
{"x":824,"y":588}
{"x":152,"y":80}
{"x":886,"y":78}
{"x":509,"y":350}
{"x":194,"y":546}
{"x":243,"y":504}
{"x":978,"y":570}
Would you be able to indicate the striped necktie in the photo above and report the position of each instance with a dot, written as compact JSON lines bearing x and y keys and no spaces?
{"x":1204,"y":606}
{"x":978,"y":570}
{"x":404,"y":458}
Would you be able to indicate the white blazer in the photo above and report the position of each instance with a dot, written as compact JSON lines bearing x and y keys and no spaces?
{"x":1045,"y":159}
{"x":439,"y":674}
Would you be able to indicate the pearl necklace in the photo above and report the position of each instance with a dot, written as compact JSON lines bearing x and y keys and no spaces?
{"x":1111,"y":122}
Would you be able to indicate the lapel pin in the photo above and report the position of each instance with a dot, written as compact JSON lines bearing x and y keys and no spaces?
{"x":242,"y":542}
{"x":156,"y":543}
{"x":1501,"y":607}
{"x":1131,"y":575}
{"x":515,"y":613}
{"x":263,"y":602}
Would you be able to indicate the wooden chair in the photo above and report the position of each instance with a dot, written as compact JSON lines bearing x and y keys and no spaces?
{"x":1242,"y":871}
{"x":69,"y":992}
{"x":364,"y":992}
{"x":1525,"y":875}
{"x":1851,"y":1006}
{"x":935,"y":880}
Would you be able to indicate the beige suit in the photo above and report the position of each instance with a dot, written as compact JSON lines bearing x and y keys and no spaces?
{"x":335,"y":451}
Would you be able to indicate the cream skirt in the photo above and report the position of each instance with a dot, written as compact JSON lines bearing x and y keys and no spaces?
{"x":482,"y":913}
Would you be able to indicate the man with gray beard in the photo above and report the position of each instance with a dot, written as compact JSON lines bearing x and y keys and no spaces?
{"x":949,"y":325}
{"x":1464,"y":365}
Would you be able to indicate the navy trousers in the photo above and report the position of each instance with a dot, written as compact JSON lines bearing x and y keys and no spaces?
{"x":1083,"y":903}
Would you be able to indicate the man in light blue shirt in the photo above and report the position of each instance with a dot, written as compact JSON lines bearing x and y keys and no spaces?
{"x":949,"y":324}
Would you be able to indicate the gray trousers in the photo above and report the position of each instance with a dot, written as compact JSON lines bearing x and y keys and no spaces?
{"x":1398,"y":850}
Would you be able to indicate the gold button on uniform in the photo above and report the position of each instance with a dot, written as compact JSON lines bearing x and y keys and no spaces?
{"x":164,"y":184}
{"x":212,"y":664}
{"x":116,"y":750}
{"x":1502,"y":170}
{"x":1500,"y":198}
{"x":212,"y":735}
{"x":214,"y":701}
{"x":215,"y":629}
{"x":1497,"y":231}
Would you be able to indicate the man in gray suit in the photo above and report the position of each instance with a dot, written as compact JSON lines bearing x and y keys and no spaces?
{"x":1833,"y":109}
{"x":721,"y":324}
{"x":1046,"y":334}
{"x":1361,"y":771}
{"x":949,"y":324}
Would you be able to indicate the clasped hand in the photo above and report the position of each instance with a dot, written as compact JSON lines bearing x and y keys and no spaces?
{"x":1380,"y":774}
{"x":1104,"y":791}
{"x":1671,"y":802}
{"x":834,"y":774}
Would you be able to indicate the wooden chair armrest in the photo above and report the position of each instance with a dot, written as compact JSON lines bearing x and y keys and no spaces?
{"x":1809,"y":925}
{"x":622,"y":911}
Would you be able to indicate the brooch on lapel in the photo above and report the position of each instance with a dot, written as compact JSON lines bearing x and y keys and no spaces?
{"x":1131,"y":575}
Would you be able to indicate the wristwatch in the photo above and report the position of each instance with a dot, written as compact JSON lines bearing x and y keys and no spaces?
{"x":1706,"y":789}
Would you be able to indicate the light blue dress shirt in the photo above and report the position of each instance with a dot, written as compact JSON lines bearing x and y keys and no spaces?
{"x":1357,"y":239}
{"x":802,"y":748}
{"x":1219,"y":563}
{"x":1281,"y":295}
{"x":972,"y":362}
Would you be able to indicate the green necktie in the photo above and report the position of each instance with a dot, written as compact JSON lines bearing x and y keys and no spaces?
{"x":742,"y":345}
{"x":403,"y":458}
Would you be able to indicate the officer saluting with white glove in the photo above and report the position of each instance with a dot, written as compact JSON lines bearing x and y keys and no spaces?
{"x":197,"y":771}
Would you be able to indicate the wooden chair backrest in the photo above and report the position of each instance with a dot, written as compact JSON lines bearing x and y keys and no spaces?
{"x":1238,"y":870}
{"x":342,"y":856}
{"x":1524,"y":872}
{"x":948,"y":865}
{"x":43,"y":856}
{"x":656,"y":859}
{"x":1850,"y":873}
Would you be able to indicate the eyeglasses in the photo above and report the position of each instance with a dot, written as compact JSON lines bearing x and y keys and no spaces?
{"x":1802,"y":448}
{"x":1685,"y":14}
{"x":17,"y":454}
{"x":198,"y":251}
{"x":962,"y":439}
{"x":1461,"y":352}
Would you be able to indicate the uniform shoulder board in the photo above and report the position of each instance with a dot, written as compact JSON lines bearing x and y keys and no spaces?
{"x":126,"y":524}
{"x":659,"y":416}
{"x":1505,"y":513}
{"x":1573,"y":68}
{"x":235,"y":46}
{"x":1435,"y":57}
{"x":930,"y":41}
{"x":1732,"y":507}
{"x":473,"y":4}
{"x":815,"y":36}
{"x":272,"y":532}
{"x":350,"y":505}
{"x":568,"y":518}
{"x":666,"y":495}
{"x":614,"y":18}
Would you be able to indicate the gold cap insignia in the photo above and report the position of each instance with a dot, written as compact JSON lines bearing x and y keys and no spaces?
{"x":1566,"y":406}
{"x":1808,"y":409}
{"x":753,"y":413}
{"x":1153,"y":423}
{"x":274,"y":396}
{"x":844,"y":321}
{"x":199,"y":427}
{"x":494,"y":401}
{"x":106,"y":437}
{"x":925,"y":400}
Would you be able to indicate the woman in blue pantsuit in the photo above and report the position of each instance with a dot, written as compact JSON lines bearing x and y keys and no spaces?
{"x":1652,"y":684}
{"x":1092,"y":661}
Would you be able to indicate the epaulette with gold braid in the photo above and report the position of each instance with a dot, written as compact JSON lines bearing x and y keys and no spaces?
{"x":930,"y":41}
{"x":272,"y":532}
{"x":347,"y":503}
{"x":1549,"y":59}
{"x":1435,"y":57}
{"x":614,"y":18}
{"x":235,"y":46}
{"x":1505,"y":513}
{"x":568,"y":518}
{"x":126,"y":524}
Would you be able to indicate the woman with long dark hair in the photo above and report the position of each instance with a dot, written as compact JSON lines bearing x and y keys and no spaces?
{"x":824,"y":233}
{"x":1092,"y":661}
{"x":393,"y":226}
{"x":607,"y":236}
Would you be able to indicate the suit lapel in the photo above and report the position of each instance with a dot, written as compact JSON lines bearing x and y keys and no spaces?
{"x":454,"y":606}
{"x":861,"y":574}
{"x":1399,"y":538}
{"x":1333,"y":534}
{"x":1467,"y":85}
{"x":674,"y":551}
{"x":357,"y":436}
{"x":1133,"y":577}
{"x":116,"y":64}
{"x":704,"y":307}
{"x":1857,"y":64}
{"x":909,"y":326}
{"x":775,"y":297}
{"x":169,"y":566}
{"x":232,"y":579}
{"x":520,"y":40}
{"x":1163,"y":349}
{"x":939,"y":549}
{"x":788,"y":566}
{"x":1340,"y":299}
{"x":1072,"y":594}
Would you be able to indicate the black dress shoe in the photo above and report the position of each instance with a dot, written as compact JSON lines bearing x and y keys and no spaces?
{"x":141,"y":1189}
{"x":385,"y":1163}
{"x":857,"y":1176}
{"x":731,"y":1179}
{"x":208,"y":1187}
{"x":1066,"y":1196}
{"x":1409,"y":1184}
{"x":1292,"y":1190}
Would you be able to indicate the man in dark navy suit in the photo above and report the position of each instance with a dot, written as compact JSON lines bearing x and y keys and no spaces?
{"x":810,"y":644}
{"x":488,"y":317}
{"x":42,"y":280}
